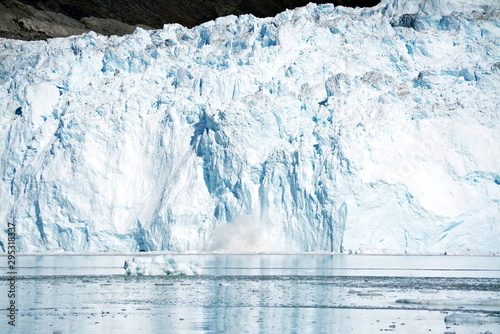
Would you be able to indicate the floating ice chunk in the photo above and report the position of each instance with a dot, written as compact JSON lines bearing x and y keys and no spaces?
{"x":158,"y":266}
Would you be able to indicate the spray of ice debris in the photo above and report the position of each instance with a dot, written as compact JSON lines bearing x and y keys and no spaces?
{"x":248,"y":234}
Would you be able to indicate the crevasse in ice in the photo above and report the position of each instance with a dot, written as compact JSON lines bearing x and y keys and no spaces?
{"x":322,"y":129}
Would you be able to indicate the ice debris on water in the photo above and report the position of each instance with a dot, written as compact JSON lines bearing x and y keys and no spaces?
{"x":160,"y":266}
{"x":471,"y":319}
{"x":451,"y":302}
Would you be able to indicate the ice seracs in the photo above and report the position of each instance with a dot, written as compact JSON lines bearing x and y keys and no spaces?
{"x":322,"y":129}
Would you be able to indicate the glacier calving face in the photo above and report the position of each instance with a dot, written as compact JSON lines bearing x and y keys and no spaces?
{"x":322,"y":129}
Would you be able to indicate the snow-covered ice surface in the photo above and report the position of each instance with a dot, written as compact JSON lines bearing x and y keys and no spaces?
{"x":370,"y":130}
{"x":349,"y":294}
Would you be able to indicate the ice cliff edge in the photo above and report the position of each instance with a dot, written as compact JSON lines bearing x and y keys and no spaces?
{"x":322,"y":129}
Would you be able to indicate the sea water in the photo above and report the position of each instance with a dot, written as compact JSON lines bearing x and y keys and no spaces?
{"x":255,"y":293}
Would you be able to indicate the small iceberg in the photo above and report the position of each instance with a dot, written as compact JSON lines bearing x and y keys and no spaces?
{"x":162,"y":265}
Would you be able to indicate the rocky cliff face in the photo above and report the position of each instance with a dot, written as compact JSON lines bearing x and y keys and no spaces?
{"x":42,"y":19}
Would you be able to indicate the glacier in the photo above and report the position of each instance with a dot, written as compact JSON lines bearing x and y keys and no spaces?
{"x":355,"y":130}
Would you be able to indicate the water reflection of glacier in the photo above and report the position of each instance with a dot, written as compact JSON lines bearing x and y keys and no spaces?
{"x":260,"y":294}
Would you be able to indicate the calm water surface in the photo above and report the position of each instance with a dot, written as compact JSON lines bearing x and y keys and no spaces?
{"x":256,"y":294}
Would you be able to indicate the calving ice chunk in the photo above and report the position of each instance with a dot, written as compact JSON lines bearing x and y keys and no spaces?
{"x":325,"y":128}
{"x":161,"y":265}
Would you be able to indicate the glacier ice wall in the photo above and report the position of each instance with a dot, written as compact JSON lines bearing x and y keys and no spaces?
{"x":322,"y":129}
